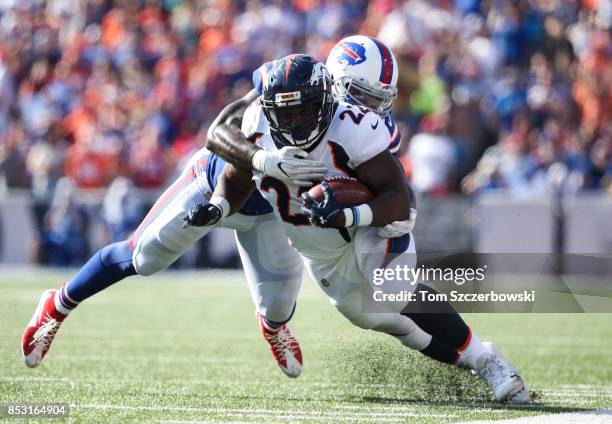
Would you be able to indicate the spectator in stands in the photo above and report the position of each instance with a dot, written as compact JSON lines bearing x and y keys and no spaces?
{"x":65,"y":228}
{"x":110,"y":74}
{"x":122,"y":209}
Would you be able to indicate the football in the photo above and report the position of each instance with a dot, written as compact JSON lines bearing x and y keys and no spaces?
{"x":348,"y":191}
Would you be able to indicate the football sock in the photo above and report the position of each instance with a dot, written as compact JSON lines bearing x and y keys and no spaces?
{"x":271,"y":325}
{"x":438,"y":319}
{"x":440,"y":351}
{"x":471,"y":351}
{"x":109,"y":265}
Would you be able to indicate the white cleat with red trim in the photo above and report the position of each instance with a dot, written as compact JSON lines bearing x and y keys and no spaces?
{"x":284,"y":346}
{"x":41,"y":330}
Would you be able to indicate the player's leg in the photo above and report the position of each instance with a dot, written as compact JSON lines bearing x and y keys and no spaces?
{"x":355,"y":307}
{"x":108,"y":266}
{"x":449,"y":332}
{"x":274,"y":274}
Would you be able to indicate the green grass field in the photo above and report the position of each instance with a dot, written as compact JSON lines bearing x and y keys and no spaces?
{"x":186,"y":347}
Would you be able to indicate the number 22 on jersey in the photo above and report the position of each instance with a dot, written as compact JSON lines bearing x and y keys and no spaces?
{"x":283,"y":200}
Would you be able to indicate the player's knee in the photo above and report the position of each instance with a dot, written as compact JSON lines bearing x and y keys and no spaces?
{"x":357,"y":317}
{"x":116,"y":252}
{"x":149,"y":259}
{"x":116,"y":258}
{"x":414,"y":337}
{"x":147,"y":266}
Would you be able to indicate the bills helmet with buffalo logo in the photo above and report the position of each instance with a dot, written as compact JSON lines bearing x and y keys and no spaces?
{"x":364,"y":72}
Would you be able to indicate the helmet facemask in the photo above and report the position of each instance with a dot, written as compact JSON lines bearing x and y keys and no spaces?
{"x":359,"y":91}
{"x":299,"y":118}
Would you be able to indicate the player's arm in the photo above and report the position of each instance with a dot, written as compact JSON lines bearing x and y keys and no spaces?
{"x":234,"y":187}
{"x":391,"y":202}
{"x":289,"y":164}
{"x":385,"y":178}
{"x":225,"y":138}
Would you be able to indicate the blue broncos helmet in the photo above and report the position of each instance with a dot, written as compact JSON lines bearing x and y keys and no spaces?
{"x":297,"y":101}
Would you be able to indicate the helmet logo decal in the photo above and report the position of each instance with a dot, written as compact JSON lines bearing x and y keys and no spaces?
{"x":317,"y":74}
{"x":352,"y":53}
{"x":288,"y":66}
{"x":386,"y":72}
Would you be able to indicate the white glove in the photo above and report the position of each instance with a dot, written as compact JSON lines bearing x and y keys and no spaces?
{"x":399,"y":228}
{"x":290,"y":165}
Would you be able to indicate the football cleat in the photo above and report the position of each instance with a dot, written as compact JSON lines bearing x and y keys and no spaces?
{"x":523,"y":395}
{"x":284,"y":346}
{"x":501,"y":376}
{"x":41,"y":330}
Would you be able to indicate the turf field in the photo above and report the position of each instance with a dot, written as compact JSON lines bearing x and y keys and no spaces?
{"x":183,"y":347}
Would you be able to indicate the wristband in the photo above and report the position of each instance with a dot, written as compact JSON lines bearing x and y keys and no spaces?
{"x":358,"y":216}
{"x":222,"y":204}
{"x":349,"y":217}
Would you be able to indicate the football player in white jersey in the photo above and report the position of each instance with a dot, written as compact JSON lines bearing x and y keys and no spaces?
{"x":341,"y":246}
{"x":272,"y":268}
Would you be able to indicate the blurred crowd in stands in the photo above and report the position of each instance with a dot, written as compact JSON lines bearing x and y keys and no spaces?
{"x":493,"y":94}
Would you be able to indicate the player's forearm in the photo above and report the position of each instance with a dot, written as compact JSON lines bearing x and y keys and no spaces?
{"x":232,"y":113}
{"x":230,"y":143}
{"x":224,"y":137}
{"x":392,"y":200}
{"x":389,"y":206}
{"x":235,"y":186}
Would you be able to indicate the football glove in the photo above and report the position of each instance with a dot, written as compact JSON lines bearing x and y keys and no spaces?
{"x":322,"y":214}
{"x":289,"y":165}
{"x":399,"y":228}
{"x":201,"y":215}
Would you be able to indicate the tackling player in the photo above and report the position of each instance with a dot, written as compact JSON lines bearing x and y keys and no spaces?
{"x":273,"y":269}
{"x":297,"y":109}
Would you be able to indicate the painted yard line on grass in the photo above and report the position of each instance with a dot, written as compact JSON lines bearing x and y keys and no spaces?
{"x":213,"y":382}
{"x":577,"y":392}
{"x":164,"y":359}
{"x":588,"y":386}
{"x":599,"y":416}
{"x":268,"y":412}
{"x":595,"y":391}
{"x":200,"y":422}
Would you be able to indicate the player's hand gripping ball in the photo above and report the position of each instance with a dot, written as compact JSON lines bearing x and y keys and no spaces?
{"x":323,"y":203}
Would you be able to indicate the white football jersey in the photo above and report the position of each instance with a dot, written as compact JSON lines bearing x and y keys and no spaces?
{"x":354,"y":136}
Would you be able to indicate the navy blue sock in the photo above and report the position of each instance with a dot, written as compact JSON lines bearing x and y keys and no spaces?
{"x":438,"y":319}
{"x":440,"y":351}
{"x":109,"y":265}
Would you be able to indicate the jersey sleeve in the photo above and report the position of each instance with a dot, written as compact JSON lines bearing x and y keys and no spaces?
{"x":396,"y":136}
{"x":253,"y":120}
{"x":372,"y":138}
{"x":260,"y":75}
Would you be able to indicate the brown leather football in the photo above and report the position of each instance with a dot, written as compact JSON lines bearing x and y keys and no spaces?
{"x":348,"y":191}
